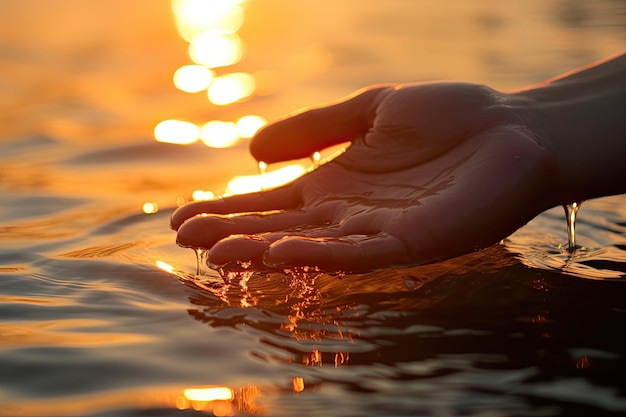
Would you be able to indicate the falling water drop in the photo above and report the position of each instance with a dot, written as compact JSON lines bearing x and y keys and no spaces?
{"x":571,"y":210}
{"x":316,"y":158}
{"x":202,"y":256}
{"x":262,"y":173}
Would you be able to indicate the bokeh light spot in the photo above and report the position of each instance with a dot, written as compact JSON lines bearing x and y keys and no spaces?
{"x":218,"y":134}
{"x":150,"y":208}
{"x":201,"y":195}
{"x":192,"y":78}
{"x":230,"y":88}
{"x":176,"y":131}
{"x":250,"y":183}
{"x":194,"y":17}
{"x":208,"y":394}
{"x":249,"y":125}
{"x":216,"y":50}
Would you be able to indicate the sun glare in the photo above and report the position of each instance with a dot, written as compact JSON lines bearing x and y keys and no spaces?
{"x":210,"y":27}
{"x":231,"y":88}
{"x":165,"y":266}
{"x":249,"y":125}
{"x":201,"y":195}
{"x":194,"y":17}
{"x":209,"y":394}
{"x":176,"y":131}
{"x":218,"y":134}
{"x":244,"y":184}
{"x":215,"y":51}
{"x":150,"y":207}
{"x":193,"y":78}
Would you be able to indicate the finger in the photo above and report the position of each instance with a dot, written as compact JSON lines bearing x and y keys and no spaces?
{"x":204,"y":231}
{"x":276,"y":199}
{"x":300,"y":135}
{"x":241,"y":248}
{"x":354,"y":253}
{"x":252,"y":248}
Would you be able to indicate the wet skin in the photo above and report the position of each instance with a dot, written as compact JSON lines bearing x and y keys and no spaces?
{"x":402,"y":193}
{"x":433,"y":171}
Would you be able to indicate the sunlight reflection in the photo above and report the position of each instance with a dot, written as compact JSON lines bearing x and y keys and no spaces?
{"x":216,"y":51}
{"x":210,"y":27}
{"x":250,"y":183}
{"x":193,"y":78}
{"x":221,"y":401}
{"x":208,"y":394}
{"x":298,"y":384}
{"x":218,"y":134}
{"x":231,"y":88}
{"x":249,"y":125}
{"x":194,"y":17}
{"x":165,"y":266}
{"x":201,"y":195}
{"x":176,"y":131}
{"x":150,"y":207}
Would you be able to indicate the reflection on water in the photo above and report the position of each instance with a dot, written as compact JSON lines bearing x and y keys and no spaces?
{"x":211,"y":28}
{"x":193,"y":78}
{"x":597,"y":253}
{"x":91,"y":327}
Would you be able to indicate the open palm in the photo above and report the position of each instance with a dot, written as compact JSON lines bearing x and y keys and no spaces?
{"x":433,"y":171}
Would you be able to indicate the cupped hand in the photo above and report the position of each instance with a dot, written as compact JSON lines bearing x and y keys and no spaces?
{"x":432,"y":171}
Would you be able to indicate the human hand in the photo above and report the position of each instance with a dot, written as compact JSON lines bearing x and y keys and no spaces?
{"x":433,"y":171}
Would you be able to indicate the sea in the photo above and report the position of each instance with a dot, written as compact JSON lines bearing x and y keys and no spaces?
{"x":102,"y":314}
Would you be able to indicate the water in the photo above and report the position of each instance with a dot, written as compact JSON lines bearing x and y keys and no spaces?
{"x":263,"y":174}
{"x":202,"y":256}
{"x":571,"y":211}
{"x":102,"y":314}
{"x":316,"y":159}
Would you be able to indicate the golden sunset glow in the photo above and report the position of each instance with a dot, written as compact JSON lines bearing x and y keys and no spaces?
{"x":298,"y":384}
{"x":249,"y":125}
{"x":250,"y":183}
{"x":150,"y":207}
{"x":231,"y":88}
{"x":194,"y":17}
{"x":215,"y":51}
{"x":220,"y":400}
{"x":200,"y":195}
{"x":210,"y":27}
{"x":165,"y":266}
{"x":193,"y":78}
{"x":218,"y":134}
{"x":208,"y":394}
{"x":176,"y":131}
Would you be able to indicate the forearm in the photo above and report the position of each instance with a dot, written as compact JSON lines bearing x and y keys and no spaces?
{"x":581,"y":116}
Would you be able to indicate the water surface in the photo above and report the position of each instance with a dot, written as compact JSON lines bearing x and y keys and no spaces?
{"x":101,"y":314}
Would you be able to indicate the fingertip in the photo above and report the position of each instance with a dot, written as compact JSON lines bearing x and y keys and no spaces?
{"x":242,"y":248}
{"x":203,"y":230}
{"x":188,"y":235}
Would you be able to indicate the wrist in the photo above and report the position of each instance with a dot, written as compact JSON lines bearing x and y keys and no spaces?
{"x":580,"y":117}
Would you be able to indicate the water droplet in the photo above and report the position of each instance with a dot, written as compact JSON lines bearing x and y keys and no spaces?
{"x":316,"y":158}
{"x":262,"y":173}
{"x":412,"y":282}
{"x":571,"y":210}
{"x":202,"y":256}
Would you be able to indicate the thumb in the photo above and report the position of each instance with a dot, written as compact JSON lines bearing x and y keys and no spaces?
{"x":310,"y":130}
